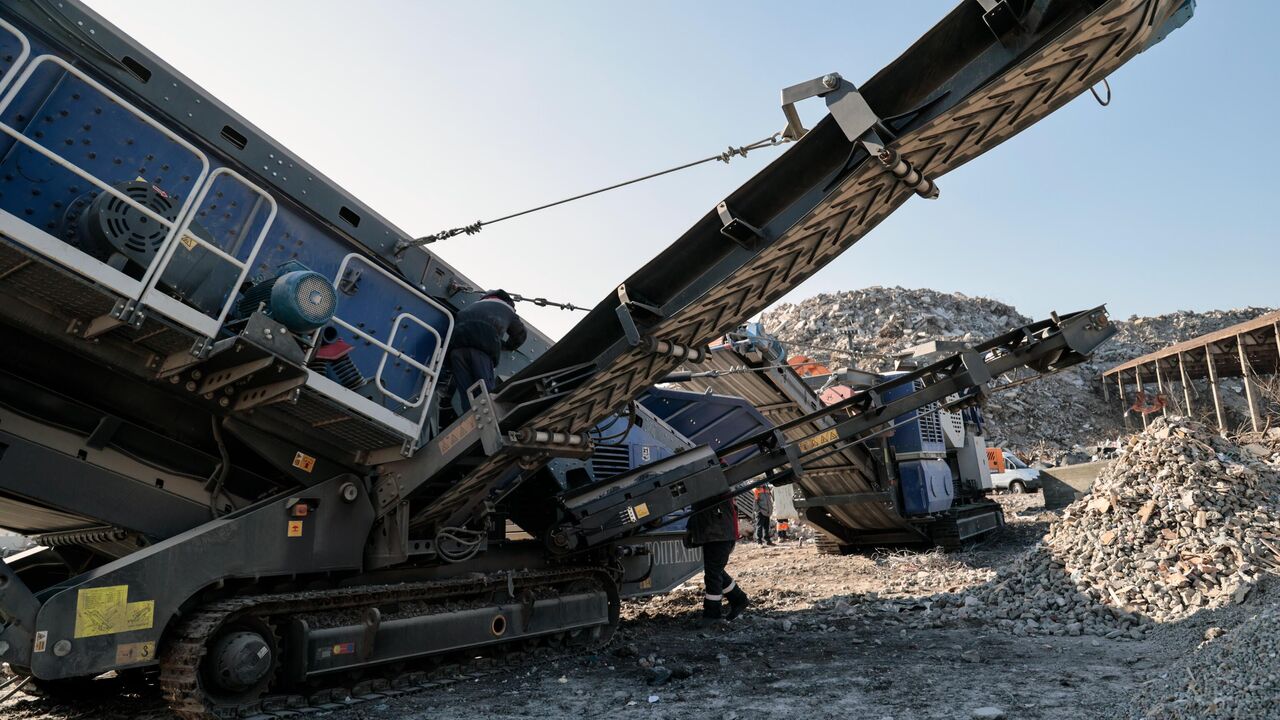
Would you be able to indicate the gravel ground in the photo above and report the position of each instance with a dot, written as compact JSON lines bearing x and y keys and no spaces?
{"x":813,"y":645}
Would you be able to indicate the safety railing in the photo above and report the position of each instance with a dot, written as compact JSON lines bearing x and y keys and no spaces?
{"x":429,"y":370}
{"x":54,"y":248}
{"x":154,"y":296}
{"x":22,"y":56}
{"x":389,"y":350}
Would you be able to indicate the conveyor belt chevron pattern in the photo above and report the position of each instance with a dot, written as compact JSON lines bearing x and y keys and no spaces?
{"x":1023,"y":95}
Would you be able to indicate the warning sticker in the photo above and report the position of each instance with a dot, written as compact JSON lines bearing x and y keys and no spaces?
{"x":129,"y":653}
{"x":295,"y":528}
{"x":42,"y":641}
{"x":642,"y":510}
{"x":107,"y":610}
{"x":304,"y":462}
{"x":829,"y":436}
{"x":188,"y":241}
{"x":455,"y":436}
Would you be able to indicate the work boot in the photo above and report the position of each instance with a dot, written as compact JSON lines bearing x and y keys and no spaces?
{"x":737,"y":602}
{"x":712,"y":612}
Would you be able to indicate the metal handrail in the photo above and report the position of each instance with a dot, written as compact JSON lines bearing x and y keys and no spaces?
{"x":22,"y":56}
{"x":184,"y":228}
{"x":431,"y":370}
{"x":431,"y":374}
{"x":92,"y":179}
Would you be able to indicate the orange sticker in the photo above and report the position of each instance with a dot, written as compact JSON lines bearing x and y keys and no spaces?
{"x":295,"y":528}
{"x":304,"y":462}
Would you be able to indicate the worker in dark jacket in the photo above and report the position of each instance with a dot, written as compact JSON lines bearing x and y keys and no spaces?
{"x":714,"y":528}
{"x":481,"y":331}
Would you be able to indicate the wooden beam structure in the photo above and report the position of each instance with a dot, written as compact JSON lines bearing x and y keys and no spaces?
{"x":1249,"y":350}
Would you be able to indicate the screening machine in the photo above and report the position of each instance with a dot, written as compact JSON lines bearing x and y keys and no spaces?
{"x":921,"y":479}
{"x":220,"y":410}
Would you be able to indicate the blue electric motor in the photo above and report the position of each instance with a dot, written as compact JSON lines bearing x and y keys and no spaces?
{"x":926,"y":485}
{"x":303,"y":300}
{"x":300,"y":299}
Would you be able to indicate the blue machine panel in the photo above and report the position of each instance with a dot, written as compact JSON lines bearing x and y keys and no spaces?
{"x":85,"y":127}
{"x":713,"y":420}
{"x":926,"y":486}
{"x":918,"y":430}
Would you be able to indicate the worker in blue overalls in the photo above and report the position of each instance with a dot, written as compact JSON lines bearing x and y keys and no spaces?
{"x":481,"y":331}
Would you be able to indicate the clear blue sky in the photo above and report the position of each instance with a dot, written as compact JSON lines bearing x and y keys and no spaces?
{"x":441,"y":113}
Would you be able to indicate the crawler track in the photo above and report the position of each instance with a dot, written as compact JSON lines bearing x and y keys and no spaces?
{"x":181,"y":658}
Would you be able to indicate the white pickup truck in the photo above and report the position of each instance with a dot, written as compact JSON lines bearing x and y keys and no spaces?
{"x":1010,"y":473}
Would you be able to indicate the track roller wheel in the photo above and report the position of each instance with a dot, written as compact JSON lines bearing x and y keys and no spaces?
{"x":230,"y":669}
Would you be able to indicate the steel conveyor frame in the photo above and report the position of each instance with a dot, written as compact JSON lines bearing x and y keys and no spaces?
{"x":783,"y":397}
{"x":959,"y":91}
{"x":643,"y":498}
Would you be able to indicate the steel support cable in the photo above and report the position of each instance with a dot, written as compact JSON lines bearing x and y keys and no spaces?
{"x":724,"y":157}
{"x":543,"y":302}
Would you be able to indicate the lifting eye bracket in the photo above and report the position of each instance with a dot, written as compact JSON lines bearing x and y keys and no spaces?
{"x":1001,"y":17}
{"x":851,"y":111}
{"x":737,"y":229}
{"x":858,"y":121}
{"x":626,"y":316}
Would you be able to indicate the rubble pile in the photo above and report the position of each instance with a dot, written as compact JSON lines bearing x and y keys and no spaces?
{"x":871,"y":324}
{"x":1232,"y":675}
{"x":1183,"y":521}
{"x":1053,"y":420}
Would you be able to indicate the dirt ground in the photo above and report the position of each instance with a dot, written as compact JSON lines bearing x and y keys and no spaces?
{"x":804,"y":649}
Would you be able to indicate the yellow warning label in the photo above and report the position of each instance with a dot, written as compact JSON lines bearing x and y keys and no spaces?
{"x":819,"y":440}
{"x":130,"y":653}
{"x":107,"y":610}
{"x":42,"y":641}
{"x":188,"y":242}
{"x":642,"y":510}
{"x":304,"y":462}
{"x":295,"y":528}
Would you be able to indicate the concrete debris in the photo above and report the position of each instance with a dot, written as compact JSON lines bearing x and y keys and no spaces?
{"x":1056,"y":420}
{"x":1235,"y":675}
{"x":1183,"y":521}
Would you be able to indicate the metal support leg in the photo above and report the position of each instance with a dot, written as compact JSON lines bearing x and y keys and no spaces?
{"x":1124,"y":404}
{"x":1213,"y":390}
{"x":1250,"y":393}
{"x":1186,"y":385}
{"x":1137,"y":378}
{"x":1160,"y":393}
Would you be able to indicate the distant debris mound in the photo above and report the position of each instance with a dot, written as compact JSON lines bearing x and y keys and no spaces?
{"x":1055,"y":419}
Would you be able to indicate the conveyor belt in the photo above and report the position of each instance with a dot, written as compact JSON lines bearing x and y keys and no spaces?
{"x":952,"y":96}
{"x":781,"y":396}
